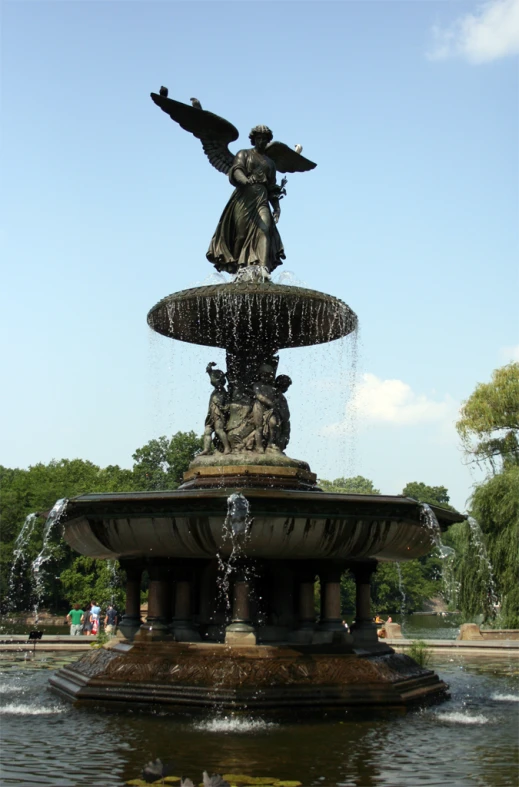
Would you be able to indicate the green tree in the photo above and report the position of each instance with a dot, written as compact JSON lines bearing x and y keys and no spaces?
{"x":87,"y":579}
{"x":495,"y":506}
{"x":347,"y":594}
{"x":486,"y":562}
{"x":489,"y":420}
{"x":161,"y":463}
{"x":36,"y":489}
{"x":403,"y":587}
{"x":431,"y":566}
{"x":434,"y":495}
{"x":356,"y":485}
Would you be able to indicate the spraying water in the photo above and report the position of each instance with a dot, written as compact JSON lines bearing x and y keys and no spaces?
{"x":238,"y":518}
{"x":403,"y":606}
{"x":45,"y":554}
{"x":430,"y":521}
{"x":236,"y":528}
{"x":290,"y":279}
{"x":19,"y":560}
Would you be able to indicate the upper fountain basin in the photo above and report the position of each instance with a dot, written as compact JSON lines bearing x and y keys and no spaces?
{"x":238,"y":314}
{"x":286,"y":524}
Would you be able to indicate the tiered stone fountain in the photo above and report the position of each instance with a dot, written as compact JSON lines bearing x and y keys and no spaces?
{"x":233,"y":555}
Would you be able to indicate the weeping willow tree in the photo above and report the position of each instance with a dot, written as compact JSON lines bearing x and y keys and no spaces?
{"x":485,"y":571}
{"x":496,"y":507}
{"x":489,"y":422}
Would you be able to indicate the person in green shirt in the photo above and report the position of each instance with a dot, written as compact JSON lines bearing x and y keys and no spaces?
{"x":74,"y":618}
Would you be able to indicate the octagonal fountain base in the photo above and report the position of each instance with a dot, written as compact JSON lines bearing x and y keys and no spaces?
{"x":281,"y":680}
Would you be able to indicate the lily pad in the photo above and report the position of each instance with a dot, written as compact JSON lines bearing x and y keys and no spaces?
{"x":287,"y":783}
{"x":142,"y":783}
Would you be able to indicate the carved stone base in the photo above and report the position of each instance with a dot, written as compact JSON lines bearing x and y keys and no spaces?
{"x":248,"y":469}
{"x":260,"y":679}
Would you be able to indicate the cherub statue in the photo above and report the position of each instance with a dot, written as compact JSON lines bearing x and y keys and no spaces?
{"x":246,"y":234}
{"x":283,"y":383}
{"x":217,"y":412}
{"x":264,"y":413}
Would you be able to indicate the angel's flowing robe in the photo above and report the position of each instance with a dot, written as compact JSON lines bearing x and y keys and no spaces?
{"x":246,"y":233}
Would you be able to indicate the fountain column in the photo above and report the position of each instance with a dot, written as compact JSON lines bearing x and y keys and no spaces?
{"x":331,"y":619}
{"x":182,"y":623}
{"x":363,"y":629}
{"x":305,"y":607}
{"x":156,"y":626}
{"x":131,"y":620}
{"x":240,"y":631}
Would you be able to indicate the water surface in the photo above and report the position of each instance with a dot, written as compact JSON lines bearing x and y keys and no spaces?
{"x":469,"y":740}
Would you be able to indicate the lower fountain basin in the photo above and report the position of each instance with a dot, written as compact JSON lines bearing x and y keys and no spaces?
{"x":281,"y":680}
{"x":293,"y":525}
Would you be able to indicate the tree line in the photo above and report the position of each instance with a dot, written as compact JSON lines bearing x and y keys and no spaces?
{"x":479,"y":579}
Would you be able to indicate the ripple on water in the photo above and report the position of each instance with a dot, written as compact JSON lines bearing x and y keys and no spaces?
{"x":505,"y":697}
{"x":10,"y":688}
{"x":457,"y":717}
{"x":21,"y":709}
{"x":235,"y":724}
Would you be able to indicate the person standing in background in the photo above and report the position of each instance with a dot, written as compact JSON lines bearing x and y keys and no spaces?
{"x":95,"y":612}
{"x":87,"y":623}
{"x":110,"y":619}
{"x":74,"y":619}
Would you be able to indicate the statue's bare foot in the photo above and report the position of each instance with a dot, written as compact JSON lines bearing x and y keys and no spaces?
{"x":204,"y":453}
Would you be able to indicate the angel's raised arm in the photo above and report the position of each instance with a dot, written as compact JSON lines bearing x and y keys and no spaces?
{"x":214,"y":132}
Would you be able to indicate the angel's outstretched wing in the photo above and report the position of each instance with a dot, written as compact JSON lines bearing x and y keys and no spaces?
{"x":287,"y":159}
{"x":214,"y":132}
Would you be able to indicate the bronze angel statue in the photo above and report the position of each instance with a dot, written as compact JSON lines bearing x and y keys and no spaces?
{"x":246,"y":234}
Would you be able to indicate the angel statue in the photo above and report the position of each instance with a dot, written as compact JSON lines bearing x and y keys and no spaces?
{"x":246,"y":234}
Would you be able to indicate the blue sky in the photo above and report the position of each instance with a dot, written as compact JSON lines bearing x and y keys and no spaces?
{"x":411,"y":111}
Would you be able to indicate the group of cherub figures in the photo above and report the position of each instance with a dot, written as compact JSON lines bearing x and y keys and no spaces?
{"x":262,"y":420}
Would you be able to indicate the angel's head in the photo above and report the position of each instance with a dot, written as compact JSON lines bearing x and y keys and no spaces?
{"x":260,"y":136}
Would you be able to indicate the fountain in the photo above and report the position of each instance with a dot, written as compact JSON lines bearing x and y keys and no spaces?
{"x":233,"y":555}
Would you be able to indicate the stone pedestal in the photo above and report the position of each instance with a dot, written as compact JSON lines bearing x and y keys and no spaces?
{"x":470,"y":631}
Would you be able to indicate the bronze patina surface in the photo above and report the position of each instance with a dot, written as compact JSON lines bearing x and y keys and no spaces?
{"x":247,"y":233}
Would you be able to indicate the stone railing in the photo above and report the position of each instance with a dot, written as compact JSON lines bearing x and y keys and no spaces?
{"x":473,"y":631}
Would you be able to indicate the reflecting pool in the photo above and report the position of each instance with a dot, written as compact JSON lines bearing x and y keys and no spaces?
{"x":469,"y":740}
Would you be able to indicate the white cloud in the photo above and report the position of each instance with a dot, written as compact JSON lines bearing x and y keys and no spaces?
{"x":490,"y":33}
{"x":392,"y":402}
{"x":509,"y":354}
